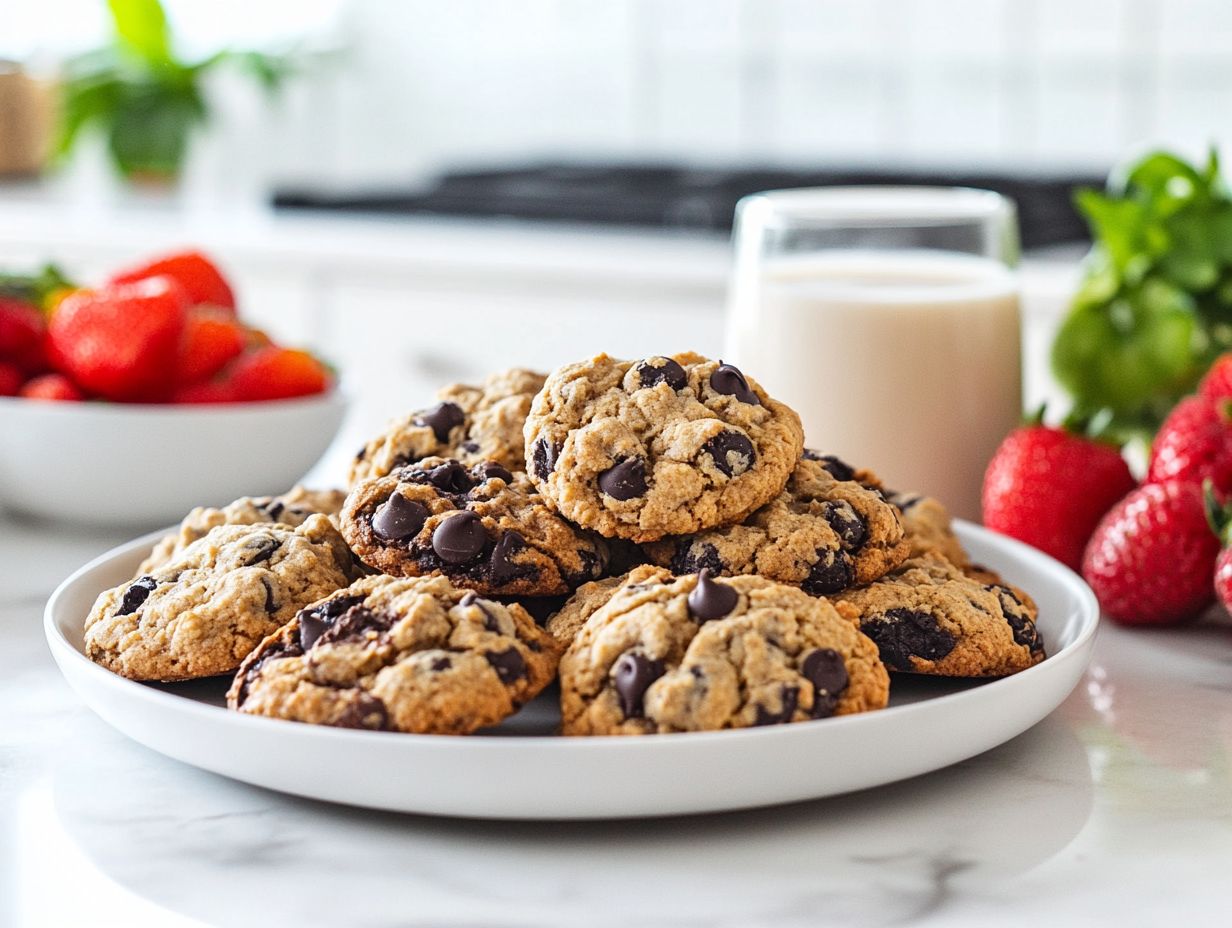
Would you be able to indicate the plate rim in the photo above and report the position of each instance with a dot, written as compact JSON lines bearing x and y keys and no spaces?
{"x":1086,"y":610}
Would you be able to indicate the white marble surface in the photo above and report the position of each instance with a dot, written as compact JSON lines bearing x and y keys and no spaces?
{"x":1115,"y":810}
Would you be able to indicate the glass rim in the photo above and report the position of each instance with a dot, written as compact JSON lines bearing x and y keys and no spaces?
{"x":875,"y":205}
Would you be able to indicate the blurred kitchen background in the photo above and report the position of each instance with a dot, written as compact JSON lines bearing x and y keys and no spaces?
{"x":438,"y":190}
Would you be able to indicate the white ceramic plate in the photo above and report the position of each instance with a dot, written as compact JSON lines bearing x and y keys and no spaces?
{"x":930,"y":724}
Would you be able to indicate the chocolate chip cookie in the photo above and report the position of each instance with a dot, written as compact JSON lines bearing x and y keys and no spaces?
{"x":930,"y":617}
{"x":929,"y":528}
{"x":822,"y":533}
{"x":697,"y":653}
{"x":469,"y":423}
{"x":566,"y":623}
{"x":660,"y":446}
{"x":485,"y":528}
{"x":291,"y":508}
{"x":412,"y":655}
{"x":202,"y":612}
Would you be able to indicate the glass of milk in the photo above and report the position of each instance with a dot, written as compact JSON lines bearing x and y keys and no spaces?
{"x":888,"y":318}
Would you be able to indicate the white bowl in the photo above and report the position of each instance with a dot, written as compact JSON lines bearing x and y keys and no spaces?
{"x":145,"y":465}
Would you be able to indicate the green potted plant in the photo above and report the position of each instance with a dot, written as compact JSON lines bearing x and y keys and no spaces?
{"x":144,"y":98}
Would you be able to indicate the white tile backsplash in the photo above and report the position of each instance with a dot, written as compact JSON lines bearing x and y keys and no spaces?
{"x":1034,"y":84}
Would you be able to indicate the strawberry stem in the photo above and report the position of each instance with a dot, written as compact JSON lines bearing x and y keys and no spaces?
{"x":1218,"y":515}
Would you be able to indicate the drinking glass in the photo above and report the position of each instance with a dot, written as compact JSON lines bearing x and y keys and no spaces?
{"x":888,"y":318}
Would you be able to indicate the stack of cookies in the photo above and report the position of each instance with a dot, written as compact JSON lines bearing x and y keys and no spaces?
{"x":652,"y":533}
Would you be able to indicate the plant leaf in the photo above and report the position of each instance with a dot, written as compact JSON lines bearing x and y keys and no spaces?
{"x":141,"y":26}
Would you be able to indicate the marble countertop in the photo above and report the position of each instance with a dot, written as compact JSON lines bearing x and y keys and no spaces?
{"x":1117,"y":809}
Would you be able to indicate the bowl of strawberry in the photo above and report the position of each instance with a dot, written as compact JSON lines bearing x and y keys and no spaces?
{"x":131,"y":402}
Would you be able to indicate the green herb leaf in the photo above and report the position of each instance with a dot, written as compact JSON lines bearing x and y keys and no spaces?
{"x":141,"y":26}
{"x":1155,"y":304}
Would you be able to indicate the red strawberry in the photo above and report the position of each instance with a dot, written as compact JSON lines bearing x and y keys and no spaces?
{"x":200,"y":278}
{"x":52,"y":387}
{"x":1194,"y":444}
{"x":121,"y":342}
{"x":1049,"y":487}
{"x":1151,"y":558}
{"x":21,"y":335}
{"x":208,"y":391}
{"x":277,"y":373}
{"x":212,"y":337}
{"x":10,"y":379}
{"x":1217,"y":384}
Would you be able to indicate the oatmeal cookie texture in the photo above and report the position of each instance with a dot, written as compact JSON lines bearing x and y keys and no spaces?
{"x":468,"y":423}
{"x":660,"y":446}
{"x":930,"y":528}
{"x":822,"y":533}
{"x":485,"y":528}
{"x":291,"y":508}
{"x":200,"y":614}
{"x":930,"y":617}
{"x":412,"y":655}
{"x":699,"y":653}
{"x":590,"y":597}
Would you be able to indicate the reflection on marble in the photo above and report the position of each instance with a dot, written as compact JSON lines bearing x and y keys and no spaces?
{"x":1118,"y":808}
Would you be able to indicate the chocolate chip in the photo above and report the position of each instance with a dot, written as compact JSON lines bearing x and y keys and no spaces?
{"x":271,"y":604}
{"x":711,"y":599}
{"x":543,"y":457}
{"x":501,"y":563}
{"x":848,"y":524}
{"x":311,"y":626}
{"x":624,"y":481}
{"x":906,"y":501}
{"x":489,"y":620}
{"x":399,"y":518}
{"x":442,"y":419}
{"x":632,"y":674}
{"x":824,"y":668}
{"x":273,"y":508}
{"x":728,"y":380}
{"x":732,"y":452}
{"x":137,"y":593}
{"x":362,"y":453}
{"x":367,"y":711}
{"x":355,"y":625}
{"x":441,"y":663}
{"x":591,"y":568}
{"x":901,"y":634}
{"x":831,"y":574}
{"x":789,"y":697}
{"x":470,"y":447}
{"x":1025,"y":631}
{"x":836,"y":467}
{"x":490,"y":470}
{"x":459,"y":538}
{"x":693,"y":557}
{"x":508,"y":665}
{"x":315,"y":619}
{"x":260,"y":549}
{"x":451,"y":477}
{"x":654,"y":371}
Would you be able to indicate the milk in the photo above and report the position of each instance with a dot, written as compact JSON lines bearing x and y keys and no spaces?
{"x":906,"y":362}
